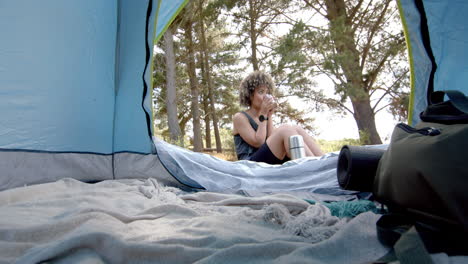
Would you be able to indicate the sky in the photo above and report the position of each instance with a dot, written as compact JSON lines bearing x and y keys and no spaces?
{"x":330,"y":126}
{"x":335,"y":127}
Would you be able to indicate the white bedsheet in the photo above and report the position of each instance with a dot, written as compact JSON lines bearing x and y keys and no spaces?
{"x":135,"y":221}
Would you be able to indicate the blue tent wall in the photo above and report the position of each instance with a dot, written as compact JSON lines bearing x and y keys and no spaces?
{"x":131,"y":129}
{"x":449,"y":42}
{"x":72,"y":90}
{"x":443,"y":22}
{"x":57,"y":75}
{"x":71,"y":74}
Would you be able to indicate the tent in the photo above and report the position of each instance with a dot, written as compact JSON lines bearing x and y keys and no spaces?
{"x":75,"y":79}
{"x":75,"y":87}
{"x":75,"y":94}
{"x":436,"y":39}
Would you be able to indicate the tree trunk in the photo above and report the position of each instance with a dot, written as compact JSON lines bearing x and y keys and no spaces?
{"x":253,"y":34}
{"x":209,"y":84}
{"x":171,"y":93}
{"x":197,"y":138}
{"x":206,"y":103}
{"x":206,"y":107}
{"x":365,"y":120}
{"x":219,"y":147}
{"x":183,"y":122}
{"x":343,"y":38}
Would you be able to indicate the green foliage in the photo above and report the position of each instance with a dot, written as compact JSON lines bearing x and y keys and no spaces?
{"x":336,"y":145}
{"x":357,"y":47}
{"x":227,"y":139}
{"x":399,"y":106}
{"x":364,"y":137}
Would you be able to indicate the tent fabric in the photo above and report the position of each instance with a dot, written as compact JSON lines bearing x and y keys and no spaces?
{"x":75,"y":94}
{"x":306,"y":175}
{"x":442,"y":34}
{"x":72,"y":81}
{"x":71,"y":74}
{"x":57,"y":75}
{"x":309,"y":178}
{"x":167,"y":11}
{"x":419,"y":60}
{"x":21,"y":168}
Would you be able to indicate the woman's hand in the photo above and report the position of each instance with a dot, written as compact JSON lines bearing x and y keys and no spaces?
{"x":271,"y":104}
{"x":267,"y":105}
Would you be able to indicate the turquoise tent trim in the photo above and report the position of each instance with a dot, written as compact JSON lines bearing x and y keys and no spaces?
{"x":411,"y":62}
{"x":181,"y":6}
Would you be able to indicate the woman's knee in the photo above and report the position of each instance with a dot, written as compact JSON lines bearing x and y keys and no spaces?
{"x":289,"y":130}
{"x":299,"y":129}
{"x":286,"y":129}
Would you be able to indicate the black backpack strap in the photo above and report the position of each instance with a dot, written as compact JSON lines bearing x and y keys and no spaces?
{"x":398,"y":233}
{"x":457,"y":98}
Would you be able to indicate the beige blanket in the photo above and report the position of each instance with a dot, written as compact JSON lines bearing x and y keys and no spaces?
{"x":133,"y":221}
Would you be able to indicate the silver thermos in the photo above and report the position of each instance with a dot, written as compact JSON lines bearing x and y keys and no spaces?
{"x":296,"y":147}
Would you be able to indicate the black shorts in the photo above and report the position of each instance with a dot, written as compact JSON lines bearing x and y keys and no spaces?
{"x":264,"y":154}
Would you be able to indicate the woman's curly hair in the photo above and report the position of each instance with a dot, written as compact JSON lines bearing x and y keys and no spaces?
{"x":252,"y":81}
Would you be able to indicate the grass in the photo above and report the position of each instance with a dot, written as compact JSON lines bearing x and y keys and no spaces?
{"x":326,"y":145}
{"x":225,"y":155}
{"x":336,"y":145}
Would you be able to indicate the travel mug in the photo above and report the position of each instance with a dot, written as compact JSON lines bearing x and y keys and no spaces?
{"x":296,"y":147}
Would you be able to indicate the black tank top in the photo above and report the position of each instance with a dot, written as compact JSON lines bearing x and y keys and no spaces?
{"x":243,"y":149}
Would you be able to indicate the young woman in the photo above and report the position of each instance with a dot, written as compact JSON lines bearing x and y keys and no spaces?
{"x":255,"y":136}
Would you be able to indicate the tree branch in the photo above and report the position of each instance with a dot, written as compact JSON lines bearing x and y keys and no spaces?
{"x":361,"y":17}
{"x":318,"y":10}
{"x":355,"y":9}
{"x":389,"y":89}
{"x":380,"y":99}
{"x":372,"y":33}
{"x":373,"y":73}
{"x":383,"y":107}
{"x":334,"y":101}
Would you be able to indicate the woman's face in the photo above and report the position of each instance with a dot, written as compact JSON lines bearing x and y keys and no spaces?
{"x":258,"y":95}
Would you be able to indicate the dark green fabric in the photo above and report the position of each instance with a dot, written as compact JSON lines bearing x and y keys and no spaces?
{"x":422,"y":178}
{"x":426,"y":174}
{"x":453,"y":111}
{"x":409,"y":249}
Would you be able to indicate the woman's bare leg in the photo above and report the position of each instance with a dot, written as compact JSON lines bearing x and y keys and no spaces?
{"x":310,"y":142}
{"x":278,"y":142}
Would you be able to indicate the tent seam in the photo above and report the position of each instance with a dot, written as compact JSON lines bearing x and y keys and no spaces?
{"x":410,"y":59}
{"x":158,"y":37}
{"x":148,"y":59}
{"x":116,"y":82}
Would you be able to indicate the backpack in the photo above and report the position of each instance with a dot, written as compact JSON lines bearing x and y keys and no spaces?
{"x":422,"y":178}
